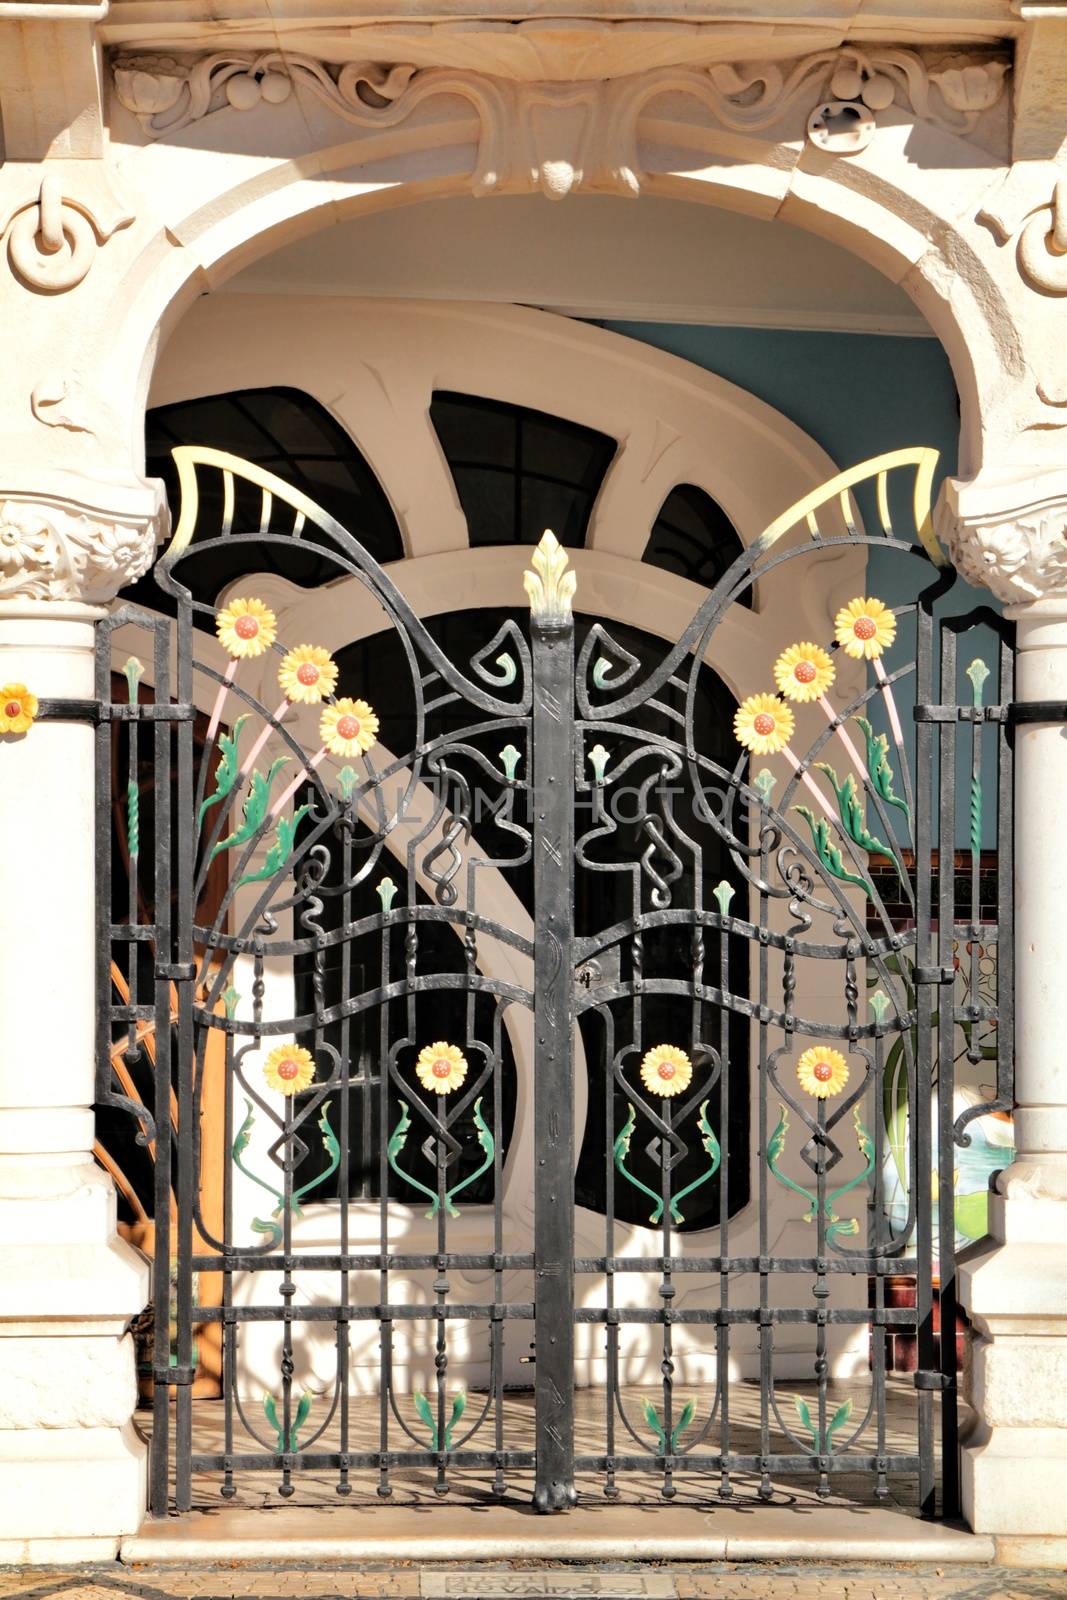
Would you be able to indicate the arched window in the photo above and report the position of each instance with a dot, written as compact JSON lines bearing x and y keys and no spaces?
{"x":288,"y":433}
{"x":517,"y":471}
{"x":694,"y":537}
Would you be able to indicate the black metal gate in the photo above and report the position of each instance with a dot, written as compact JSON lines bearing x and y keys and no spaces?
{"x":774,"y":975}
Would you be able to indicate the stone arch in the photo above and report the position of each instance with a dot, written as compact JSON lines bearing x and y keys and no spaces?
{"x":924,"y":202}
{"x":908,"y":205}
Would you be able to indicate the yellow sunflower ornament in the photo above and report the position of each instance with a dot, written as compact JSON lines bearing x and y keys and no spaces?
{"x":289,"y":1068}
{"x":348,"y":728}
{"x":246,"y":628}
{"x":804,"y":672}
{"x":18,"y":707}
{"x":864,"y":628}
{"x":822,"y":1072}
{"x":441,"y":1067}
{"x":307,"y":674}
{"x":763,"y":724}
{"x":666,"y":1070}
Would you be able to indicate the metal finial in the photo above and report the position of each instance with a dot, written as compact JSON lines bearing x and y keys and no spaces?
{"x":550,"y":587}
{"x":134,"y":672}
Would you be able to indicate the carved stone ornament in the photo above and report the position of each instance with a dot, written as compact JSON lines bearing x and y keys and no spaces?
{"x":1007,"y":532}
{"x":54,"y":233}
{"x":167,"y":94}
{"x":841,"y":127}
{"x":1042,"y":246}
{"x":53,"y":550}
{"x":557,"y":136}
{"x":1031,"y":202}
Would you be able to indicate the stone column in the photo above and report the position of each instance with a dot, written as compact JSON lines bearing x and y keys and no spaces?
{"x":72,"y":1465}
{"x":1009,"y":532}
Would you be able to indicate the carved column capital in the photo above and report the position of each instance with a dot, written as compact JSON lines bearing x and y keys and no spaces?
{"x":1006,"y":530}
{"x":79,"y":542}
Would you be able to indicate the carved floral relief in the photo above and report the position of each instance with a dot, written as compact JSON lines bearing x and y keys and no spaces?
{"x":166,"y":94}
{"x":48,"y":552}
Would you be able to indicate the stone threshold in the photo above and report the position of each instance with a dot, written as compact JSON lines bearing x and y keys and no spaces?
{"x":608,"y":1533}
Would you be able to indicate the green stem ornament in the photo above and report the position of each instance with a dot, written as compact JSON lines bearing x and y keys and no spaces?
{"x":240,"y":1144}
{"x":621,"y":1150}
{"x":398,"y":1140}
{"x":835,"y":1227}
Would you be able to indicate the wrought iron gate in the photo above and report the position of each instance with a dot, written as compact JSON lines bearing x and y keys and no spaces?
{"x":316,"y":956}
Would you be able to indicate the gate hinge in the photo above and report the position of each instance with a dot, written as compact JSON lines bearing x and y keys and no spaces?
{"x":1037,"y":711}
{"x":177,"y":1376}
{"x":176,"y":971}
{"x":933,"y":975}
{"x":934,"y":1380}
{"x":969,"y":714}
{"x":108,"y":712}
{"x":53,"y":709}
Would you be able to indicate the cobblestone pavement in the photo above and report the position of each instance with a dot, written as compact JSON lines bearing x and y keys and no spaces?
{"x":489,"y":1580}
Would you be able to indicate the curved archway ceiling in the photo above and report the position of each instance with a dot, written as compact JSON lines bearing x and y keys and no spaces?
{"x":598,"y":257}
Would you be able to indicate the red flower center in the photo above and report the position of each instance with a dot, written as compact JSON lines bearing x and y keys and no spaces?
{"x":246,"y":627}
{"x":822,"y":1071}
{"x":348,"y":726}
{"x":865,"y":627}
{"x":804,"y":672}
{"x":307,"y":673}
{"x":667,"y":1069}
{"x":763,"y":723}
{"x":288,"y":1069}
{"x":13,"y":708}
{"x":441,"y":1067}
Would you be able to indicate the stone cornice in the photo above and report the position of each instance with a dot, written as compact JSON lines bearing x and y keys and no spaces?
{"x":167,"y":93}
{"x":551,"y":40}
{"x":891,"y":15}
{"x":53,"y":10}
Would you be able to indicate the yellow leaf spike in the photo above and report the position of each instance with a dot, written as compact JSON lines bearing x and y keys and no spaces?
{"x":550,"y":587}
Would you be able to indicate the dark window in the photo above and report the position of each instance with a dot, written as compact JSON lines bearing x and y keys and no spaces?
{"x":287,"y":433}
{"x":694,"y":537}
{"x":518,"y":472}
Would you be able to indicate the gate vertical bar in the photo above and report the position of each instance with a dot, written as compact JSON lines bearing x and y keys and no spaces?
{"x":165,"y":1242}
{"x":550,"y":588}
{"x":947,"y":914}
{"x":184,"y":972}
{"x":919,"y":1110}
